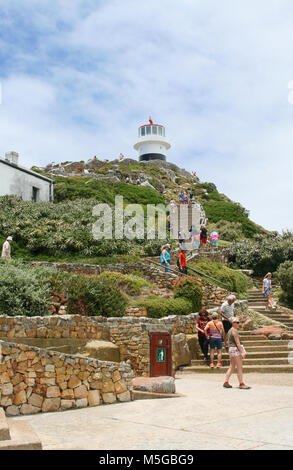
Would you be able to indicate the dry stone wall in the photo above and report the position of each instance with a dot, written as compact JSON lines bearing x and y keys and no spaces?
{"x":34,"y":380}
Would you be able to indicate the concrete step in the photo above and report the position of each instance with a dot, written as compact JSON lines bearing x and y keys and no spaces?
{"x":269,"y":361}
{"x":268,"y":348}
{"x":254,"y":355}
{"x":288,"y":368}
{"x":272,"y":342}
{"x":4,"y":429}
{"x":22,"y":437}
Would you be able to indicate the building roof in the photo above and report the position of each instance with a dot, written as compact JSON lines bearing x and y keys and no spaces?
{"x":26,"y":170}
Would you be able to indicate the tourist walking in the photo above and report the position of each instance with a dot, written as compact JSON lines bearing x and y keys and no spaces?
{"x":227,"y":312}
{"x":203,"y":235}
{"x":214,"y":236}
{"x":181,"y":236}
{"x":6,"y":252}
{"x":201,"y":323}
{"x":181,"y":263}
{"x":165,"y":257}
{"x":267,"y":290}
{"x":236,"y":353}
{"x":215,"y":333}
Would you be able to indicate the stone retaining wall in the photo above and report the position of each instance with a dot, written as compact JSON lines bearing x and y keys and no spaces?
{"x":34,"y":380}
{"x":129,"y":333}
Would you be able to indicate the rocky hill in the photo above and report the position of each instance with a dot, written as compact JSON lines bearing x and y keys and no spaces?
{"x":159,"y":182}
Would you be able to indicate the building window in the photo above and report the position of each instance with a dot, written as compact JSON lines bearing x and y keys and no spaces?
{"x":155,"y":130}
{"x":160,"y":131}
{"x":163,"y":129}
{"x":143,"y":131}
{"x":148,"y":129}
{"x":35,"y":194}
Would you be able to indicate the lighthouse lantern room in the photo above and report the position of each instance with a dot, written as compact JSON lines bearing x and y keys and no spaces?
{"x":152,"y":143}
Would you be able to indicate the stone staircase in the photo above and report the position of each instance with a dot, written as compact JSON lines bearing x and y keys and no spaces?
{"x":257,"y":302}
{"x":263,"y":354}
{"x":17,"y":435}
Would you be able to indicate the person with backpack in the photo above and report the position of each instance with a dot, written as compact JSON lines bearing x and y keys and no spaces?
{"x":215,"y":333}
{"x":181,"y":262}
{"x":203,"y":235}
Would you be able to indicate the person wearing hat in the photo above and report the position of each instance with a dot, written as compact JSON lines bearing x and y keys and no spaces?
{"x":215,"y":333}
{"x":6,"y":248}
{"x":165,"y":257}
{"x":236,"y":353}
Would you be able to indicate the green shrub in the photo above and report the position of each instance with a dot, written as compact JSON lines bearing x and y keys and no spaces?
{"x":229,"y":231}
{"x":231,"y":212}
{"x":158,"y":307}
{"x":23,"y":290}
{"x":285,"y":277}
{"x":263,"y":255}
{"x":94,"y":297}
{"x":188,"y":288}
{"x":129,"y":283}
{"x":235,"y":280}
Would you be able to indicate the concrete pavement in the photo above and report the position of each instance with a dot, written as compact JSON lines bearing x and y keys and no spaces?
{"x":206,"y":417}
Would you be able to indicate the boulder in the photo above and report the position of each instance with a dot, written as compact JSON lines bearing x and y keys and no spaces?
{"x":181,"y":355}
{"x":276,"y":337}
{"x":146,"y":184}
{"x":268,"y":330}
{"x":102,"y":350}
{"x":193,"y":345}
{"x":163,"y":384}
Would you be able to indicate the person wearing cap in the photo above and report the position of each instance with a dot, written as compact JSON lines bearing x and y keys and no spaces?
{"x":6,"y":248}
{"x":236,"y":353}
{"x":215,"y":333}
{"x":227,"y":312}
{"x":165,"y":257}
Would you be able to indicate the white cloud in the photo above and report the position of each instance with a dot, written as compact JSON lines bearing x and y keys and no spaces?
{"x":84,"y":74}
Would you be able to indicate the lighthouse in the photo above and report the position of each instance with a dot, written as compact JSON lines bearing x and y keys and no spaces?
{"x":152,"y":143}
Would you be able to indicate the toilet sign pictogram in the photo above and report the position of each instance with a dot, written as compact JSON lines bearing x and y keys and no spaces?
{"x":161,"y":355}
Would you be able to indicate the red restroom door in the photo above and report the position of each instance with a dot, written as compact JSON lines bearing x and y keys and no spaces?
{"x":161,"y":354}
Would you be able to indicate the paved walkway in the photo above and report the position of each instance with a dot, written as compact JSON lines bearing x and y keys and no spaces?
{"x":206,"y":417}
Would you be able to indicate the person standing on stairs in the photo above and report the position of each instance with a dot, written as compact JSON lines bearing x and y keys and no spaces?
{"x":165,"y":257}
{"x":215,"y":333}
{"x":182,"y":264}
{"x":203,"y":236}
{"x":227,"y":312}
{"x":267,"y":290}
{"x":201,"y":323}
{"x":236,"y":353}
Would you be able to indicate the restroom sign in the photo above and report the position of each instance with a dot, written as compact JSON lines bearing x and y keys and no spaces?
{"x":161,"y":355}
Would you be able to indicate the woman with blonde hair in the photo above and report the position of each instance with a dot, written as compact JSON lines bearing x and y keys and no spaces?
{"x":237,"y":353}
{"x":267,"y":290}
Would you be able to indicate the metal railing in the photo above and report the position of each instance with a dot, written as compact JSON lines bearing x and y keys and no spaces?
{"x":192,"y":269}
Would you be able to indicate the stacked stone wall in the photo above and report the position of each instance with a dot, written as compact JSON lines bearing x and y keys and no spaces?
{"x":34,"y":380}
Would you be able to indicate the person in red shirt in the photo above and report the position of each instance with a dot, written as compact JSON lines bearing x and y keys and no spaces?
{"x":201,"y":323}
{"x":182,"y":262}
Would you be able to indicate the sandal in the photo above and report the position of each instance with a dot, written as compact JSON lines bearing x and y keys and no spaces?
{"x":211,"y":365}
{"x":244,"y":387}
{"x":227,"y":385}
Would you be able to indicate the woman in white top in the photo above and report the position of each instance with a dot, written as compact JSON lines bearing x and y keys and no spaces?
{"x":267,"y":290}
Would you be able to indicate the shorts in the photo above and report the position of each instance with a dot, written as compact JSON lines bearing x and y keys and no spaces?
{"x":215,"y":242}
{"x":227,"y":325}
{"x":267,"y":292}
{"x":203,"y":241}
{"x":234,"y":351}
{"x":216,"y":343}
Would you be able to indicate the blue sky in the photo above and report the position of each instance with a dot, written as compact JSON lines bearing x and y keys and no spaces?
{"x":79,"y":77}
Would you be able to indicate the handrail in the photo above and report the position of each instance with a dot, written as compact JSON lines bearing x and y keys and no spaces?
{"x":192,"y":269}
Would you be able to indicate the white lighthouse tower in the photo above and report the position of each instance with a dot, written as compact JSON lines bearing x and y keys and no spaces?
{"x":151,"y":144}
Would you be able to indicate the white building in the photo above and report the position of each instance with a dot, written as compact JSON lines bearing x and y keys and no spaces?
{"x":152,"y":143}
{"x":19,"y":181}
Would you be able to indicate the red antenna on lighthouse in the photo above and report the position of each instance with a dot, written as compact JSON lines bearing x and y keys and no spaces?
{"x":150,"y":120}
